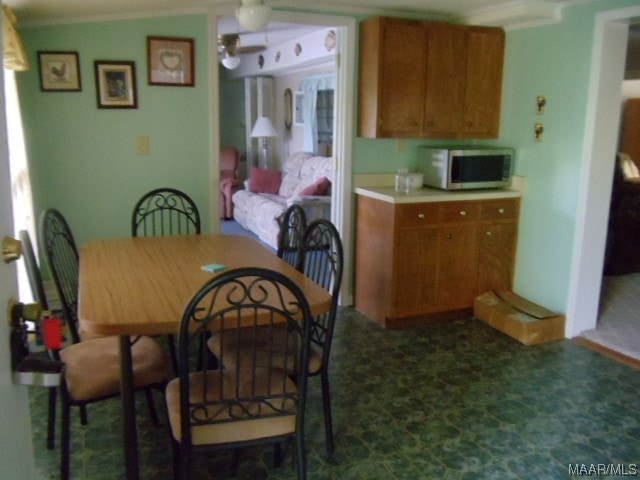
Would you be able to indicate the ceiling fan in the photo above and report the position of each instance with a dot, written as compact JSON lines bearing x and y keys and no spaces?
{"x":230,"y":46}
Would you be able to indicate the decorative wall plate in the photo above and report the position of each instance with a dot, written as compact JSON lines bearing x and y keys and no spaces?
{"x":330,"y":40}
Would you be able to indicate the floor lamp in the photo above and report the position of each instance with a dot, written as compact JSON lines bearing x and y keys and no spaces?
{"x":263,"y":129}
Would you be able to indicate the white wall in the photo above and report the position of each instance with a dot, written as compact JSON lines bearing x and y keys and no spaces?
{"x":291,"y":141}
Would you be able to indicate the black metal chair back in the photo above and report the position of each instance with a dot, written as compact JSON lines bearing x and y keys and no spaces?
{"x":165,"y":211}
{"x":241,"y":303}
{"x":322,"y":260}
{"x":294,"y":222}
{"x":61,"y":254}
{"x":33,"y":270}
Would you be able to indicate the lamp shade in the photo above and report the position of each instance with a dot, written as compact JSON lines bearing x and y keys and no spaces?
{"x":263,"y":128}
{"x":253,"y":15}
{"x":230,"y":61}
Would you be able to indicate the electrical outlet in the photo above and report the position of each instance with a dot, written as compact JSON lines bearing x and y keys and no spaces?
{"x":142,"y":144}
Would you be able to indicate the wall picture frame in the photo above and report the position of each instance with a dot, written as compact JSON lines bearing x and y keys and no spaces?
{"x":59,"y":71}
{"x":170,"y":61}
{"x":116,"y":84}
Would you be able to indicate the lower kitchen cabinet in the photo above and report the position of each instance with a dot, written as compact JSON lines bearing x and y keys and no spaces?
{"x":429,"y":260}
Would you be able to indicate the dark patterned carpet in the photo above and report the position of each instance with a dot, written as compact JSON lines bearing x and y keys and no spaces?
{"x":450,"y":401}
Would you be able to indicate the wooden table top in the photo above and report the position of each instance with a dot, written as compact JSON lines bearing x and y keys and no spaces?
{"x":141,"y":286}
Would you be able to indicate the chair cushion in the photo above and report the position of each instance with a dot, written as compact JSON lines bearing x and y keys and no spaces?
{"x":234,"y":431}
{"x":93,"y":366}
{"x":262,"y":340}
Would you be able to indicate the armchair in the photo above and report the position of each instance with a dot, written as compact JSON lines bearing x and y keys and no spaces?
{"x":229,"y":163}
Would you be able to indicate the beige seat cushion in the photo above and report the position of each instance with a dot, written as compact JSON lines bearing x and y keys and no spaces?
{"x":241,"y":430}
{"x":263,"y":339}
{"x":93,"y":367}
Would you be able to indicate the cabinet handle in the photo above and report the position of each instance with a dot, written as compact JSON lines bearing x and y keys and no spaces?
{"x":414,"y":123}
{"x":501,"y":211}
{"x":421,"y":216}
{"x":463,"y":213}
{"x":449,"y":236}
{"x":488,"y":233}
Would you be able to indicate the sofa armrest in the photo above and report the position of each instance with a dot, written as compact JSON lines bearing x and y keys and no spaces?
{"x":308,"y":200}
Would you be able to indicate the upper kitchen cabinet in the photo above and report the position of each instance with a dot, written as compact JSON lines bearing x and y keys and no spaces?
{"x":424,"y":79}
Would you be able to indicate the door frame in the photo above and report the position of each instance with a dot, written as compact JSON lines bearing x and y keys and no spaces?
{"x":599,"y":147}
{"x":342,"y":203}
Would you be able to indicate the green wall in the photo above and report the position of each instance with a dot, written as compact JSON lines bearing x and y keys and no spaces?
{"x":83,"y":159}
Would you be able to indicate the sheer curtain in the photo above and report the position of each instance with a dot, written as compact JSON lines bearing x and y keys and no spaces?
{"x":310,"y":87}
{"x":14,"y":60}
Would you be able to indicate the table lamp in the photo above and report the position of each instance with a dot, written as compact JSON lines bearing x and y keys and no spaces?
{"x":263,"y":128}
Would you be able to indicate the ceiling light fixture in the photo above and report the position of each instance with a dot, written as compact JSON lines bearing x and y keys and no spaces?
{"x":229,"y":61}
{"x":227,"y":45}
{"x":253,"y":15}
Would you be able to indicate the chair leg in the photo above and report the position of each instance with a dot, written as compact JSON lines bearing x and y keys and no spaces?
{"x":277,"y":455}
{"x":51,"y":420}
{"x":301,"y":458}
{"x":173,"y":354}
{"x":235,"y":463}
{"x":152,"y":407}
{"x":83,"y":415}
{"x":184,"y":462}
{"x":65,"y":434}
{"x":328,"y":421}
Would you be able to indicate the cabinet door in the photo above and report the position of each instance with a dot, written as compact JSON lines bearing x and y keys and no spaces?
{"x":444,"y":95}
{"x":483,"y":94}
{"x":416,"y":258}
{"x":497,"y":257}
{"x":457,"y":267}
{"x":402,"y":79}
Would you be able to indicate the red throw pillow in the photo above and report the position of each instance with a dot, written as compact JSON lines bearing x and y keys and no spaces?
{"x":262,"y":180}
{"x":317,"y":188}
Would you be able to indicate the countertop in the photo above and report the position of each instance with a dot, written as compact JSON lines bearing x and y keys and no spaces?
{"x":425,"y":194}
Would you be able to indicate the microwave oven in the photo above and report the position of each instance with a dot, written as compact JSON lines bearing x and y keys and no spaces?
{"x":461,"y":168}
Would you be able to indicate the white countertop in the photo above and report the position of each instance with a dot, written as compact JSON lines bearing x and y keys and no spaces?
{"x":388,"y":194}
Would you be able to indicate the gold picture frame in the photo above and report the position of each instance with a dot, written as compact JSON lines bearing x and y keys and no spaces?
{"x":59,"y":71}
{"x":116,"y":84}
{"x":170,"y":61}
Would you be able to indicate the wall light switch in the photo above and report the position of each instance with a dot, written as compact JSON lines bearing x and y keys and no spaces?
{"x":142,"y":144}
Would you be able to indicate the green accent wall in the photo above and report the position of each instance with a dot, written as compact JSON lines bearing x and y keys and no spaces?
{"x":83,"y":159}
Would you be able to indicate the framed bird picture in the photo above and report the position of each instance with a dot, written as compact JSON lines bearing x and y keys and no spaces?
{"x":59,"y":71}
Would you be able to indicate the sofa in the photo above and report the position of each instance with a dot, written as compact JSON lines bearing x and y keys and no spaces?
{"x":305,"y":179}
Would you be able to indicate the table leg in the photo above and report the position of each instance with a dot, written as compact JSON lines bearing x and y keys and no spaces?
{"x":128,"y":410}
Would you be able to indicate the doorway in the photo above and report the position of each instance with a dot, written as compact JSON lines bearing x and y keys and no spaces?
{"x":600,"y":140}
{"x":341,"y":205}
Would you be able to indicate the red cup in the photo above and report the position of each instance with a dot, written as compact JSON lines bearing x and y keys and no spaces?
{"x":52,"y":333}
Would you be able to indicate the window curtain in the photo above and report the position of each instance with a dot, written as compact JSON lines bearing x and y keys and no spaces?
{"x":14,"y":57}
{"x":310,"y":87}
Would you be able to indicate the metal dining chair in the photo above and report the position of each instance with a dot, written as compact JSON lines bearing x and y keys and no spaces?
{"x":293,"y":224}
{"x":245,"y":401}
{"x":165,"y":211}
{"x":36,"y":284}
{"x":321,"y":260}
{"x":92,"y":367}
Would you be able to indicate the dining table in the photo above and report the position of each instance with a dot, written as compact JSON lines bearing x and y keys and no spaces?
{"x":141,"y":286}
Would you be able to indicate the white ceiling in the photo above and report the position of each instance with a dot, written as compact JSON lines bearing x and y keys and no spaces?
{"x":29,"y":11}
